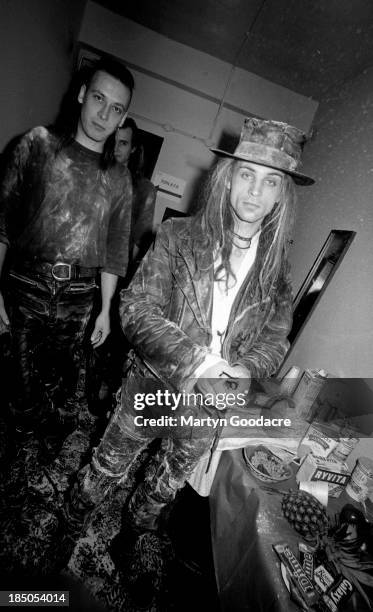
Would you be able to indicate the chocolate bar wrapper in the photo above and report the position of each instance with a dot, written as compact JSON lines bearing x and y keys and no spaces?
{"x":307,"y":559}
{"x":340,"y":592}
{"x":336,"y":597}
{"x":325,"y":604}
{"x":322,"y":578}
{"x":298,"y":576}
{"x":295,"y":594}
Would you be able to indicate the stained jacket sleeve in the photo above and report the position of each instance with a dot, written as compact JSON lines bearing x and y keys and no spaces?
{"x":117,"y":246}
{"x":11,"y":186}
{"x":264,"y":357}
{"x":167,"y":350}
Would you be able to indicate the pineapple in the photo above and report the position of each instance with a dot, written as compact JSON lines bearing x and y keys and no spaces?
{"x":305,"y":513}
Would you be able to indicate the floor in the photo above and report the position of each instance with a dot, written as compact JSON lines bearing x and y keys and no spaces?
{"x":32,"y":487}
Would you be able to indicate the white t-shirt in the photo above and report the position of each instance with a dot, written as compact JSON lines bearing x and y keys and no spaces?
{"x":222,"y":305}
{"x":200,"y":479}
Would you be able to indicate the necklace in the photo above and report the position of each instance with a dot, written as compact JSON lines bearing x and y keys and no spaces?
{"x":244,"y":239}
{"x":242,"y":248}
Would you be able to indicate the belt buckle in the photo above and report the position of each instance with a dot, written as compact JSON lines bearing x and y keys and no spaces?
{"x":66,"y":266}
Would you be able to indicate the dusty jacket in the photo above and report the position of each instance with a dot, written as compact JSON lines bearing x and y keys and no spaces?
{"x":166,"y":311}
{"x":64,"y":207}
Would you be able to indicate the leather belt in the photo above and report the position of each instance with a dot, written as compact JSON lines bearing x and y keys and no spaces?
{"x":59,"y":271}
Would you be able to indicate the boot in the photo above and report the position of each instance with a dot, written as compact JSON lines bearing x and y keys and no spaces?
{"x":76,"y":511}
{"x":89,"y":489}
{"x":74,"y":515}
{"x":142,"y":557}
{"x":24,"y":425}
{"x":53,"y":433}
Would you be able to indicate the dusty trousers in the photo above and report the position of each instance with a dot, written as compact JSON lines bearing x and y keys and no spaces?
{"x":165,"y":472}
{"x":49,"y":319}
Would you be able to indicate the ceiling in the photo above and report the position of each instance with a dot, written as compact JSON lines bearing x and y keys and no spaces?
{"x":308,"y":46}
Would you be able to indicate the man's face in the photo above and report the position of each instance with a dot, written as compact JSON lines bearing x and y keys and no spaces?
{"x":123,"y":145}
{"x":104,"y":106}
{"x":254,"y":191}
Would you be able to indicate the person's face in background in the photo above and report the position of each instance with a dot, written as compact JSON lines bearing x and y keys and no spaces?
{"x":255,"y":189}
{"x":104,"y":107}
{"x":123,"y":145}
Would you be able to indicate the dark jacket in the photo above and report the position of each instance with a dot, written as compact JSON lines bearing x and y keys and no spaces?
{"x":166,"y":312}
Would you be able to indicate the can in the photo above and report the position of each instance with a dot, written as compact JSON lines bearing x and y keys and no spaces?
{"x":344,"y":448}
{"x":361,"y":483}
{"x":307,"y":391}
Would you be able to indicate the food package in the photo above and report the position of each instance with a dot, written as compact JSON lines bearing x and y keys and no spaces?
{"x":319,"y":439}
{"x":335,"y":473}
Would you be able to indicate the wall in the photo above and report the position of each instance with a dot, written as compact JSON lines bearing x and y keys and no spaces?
{"x":178,"y":90}
{"x":37,"y":40}
{"x":339,"y":335}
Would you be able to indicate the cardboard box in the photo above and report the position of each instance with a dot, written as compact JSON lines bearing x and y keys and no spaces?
{"x":319,"y":439}
{"x":320,"y":469}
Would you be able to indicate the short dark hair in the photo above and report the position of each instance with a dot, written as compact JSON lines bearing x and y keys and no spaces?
{"x":136,"y":160}
{"x":67,"y":119}
{"x":113,"y":67}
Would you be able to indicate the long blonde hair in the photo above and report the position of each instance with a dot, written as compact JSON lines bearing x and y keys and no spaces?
{"x":215,"y":218}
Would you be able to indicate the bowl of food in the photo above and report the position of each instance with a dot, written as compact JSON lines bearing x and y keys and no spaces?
{"x":265,"y":465}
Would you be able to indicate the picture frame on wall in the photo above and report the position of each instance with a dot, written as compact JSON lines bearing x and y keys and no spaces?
{"x":172,"y":212}
{"x":318,"y":278}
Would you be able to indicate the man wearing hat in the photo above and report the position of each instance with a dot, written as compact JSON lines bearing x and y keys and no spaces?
{"x":211,"y":302}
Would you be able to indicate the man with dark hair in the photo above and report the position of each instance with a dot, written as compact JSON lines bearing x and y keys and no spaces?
{"x":129,"y":152}
{"x":65,"y":212}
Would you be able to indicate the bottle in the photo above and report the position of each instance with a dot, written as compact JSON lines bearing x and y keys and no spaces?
{"x":290,"y":381}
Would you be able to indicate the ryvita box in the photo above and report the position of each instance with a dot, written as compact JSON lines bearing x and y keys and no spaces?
{"x":321,"y":469}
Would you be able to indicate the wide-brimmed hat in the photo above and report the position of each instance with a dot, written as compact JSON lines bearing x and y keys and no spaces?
{"x":273,"y":144}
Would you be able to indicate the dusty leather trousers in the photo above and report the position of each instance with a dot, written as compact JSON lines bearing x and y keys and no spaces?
{"x":48,"y":320}
{"x":165,"y":472}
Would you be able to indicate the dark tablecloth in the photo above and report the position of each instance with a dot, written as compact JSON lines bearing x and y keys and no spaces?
{"x":245,"y":521}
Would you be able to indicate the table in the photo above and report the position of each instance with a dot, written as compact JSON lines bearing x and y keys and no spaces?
{"x":245,"y":521}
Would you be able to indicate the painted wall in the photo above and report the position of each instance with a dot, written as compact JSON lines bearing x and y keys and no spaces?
{"x":177,"y":95}
{"x":37,"y":39}
{"x":178,"y":90}
{"x":339,"y":335}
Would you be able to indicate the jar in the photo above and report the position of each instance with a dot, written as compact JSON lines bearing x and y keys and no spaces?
{"x":361,"y":482}
{"x":344,"y":448}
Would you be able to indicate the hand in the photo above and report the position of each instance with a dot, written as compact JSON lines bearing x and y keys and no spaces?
{"x":3,"y":315}
{"x":239,"y":371}
{"x":101,"y":330}
{"x":223,"y":378}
